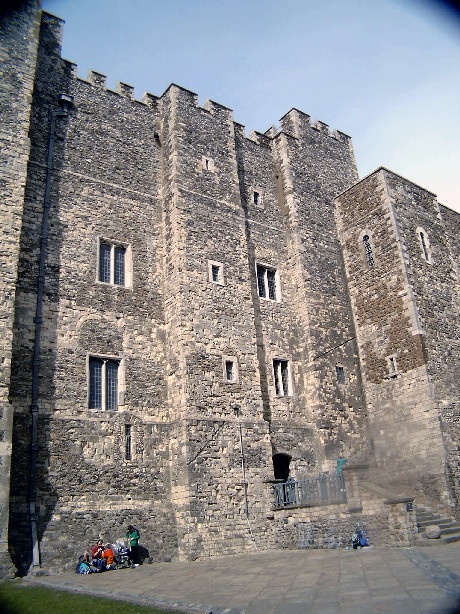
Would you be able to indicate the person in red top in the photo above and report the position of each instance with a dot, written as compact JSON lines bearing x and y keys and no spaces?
{"x":96,"y":553}
{"x":108,"y":555}
{"x":97,"y":550}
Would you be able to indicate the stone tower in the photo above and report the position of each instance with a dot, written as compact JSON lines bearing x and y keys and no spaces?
{"x":401,"y":256}
{"x":185,"y":322}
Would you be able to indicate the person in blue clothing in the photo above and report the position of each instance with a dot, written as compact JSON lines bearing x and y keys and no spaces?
{"x":132,"y":535}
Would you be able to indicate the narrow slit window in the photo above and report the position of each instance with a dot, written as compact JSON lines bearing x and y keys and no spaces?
{"x":256,"y":196}
{"x":261,"y":281}
{"x":128,"y":442}
{"x":105,"y":251}
{"x":111,"y":385}
{"x":392,"y":365}
{"x":229,"y":370}
{"x":340,"y":374}
{"x":215,"y":273}
{"x":95,"y":383}
{"x":271,"y":282}
{"x":119,"y":277}
{"x":368,"y":251}
{"x":424,"y":244}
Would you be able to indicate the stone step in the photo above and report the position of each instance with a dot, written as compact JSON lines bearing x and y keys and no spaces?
{"x":448,"y":539}
{"x":450,"y":529}
{"x":444,"y":522}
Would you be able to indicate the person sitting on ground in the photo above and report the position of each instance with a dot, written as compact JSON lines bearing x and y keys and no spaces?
{"x":84,"y":565}
{"x":96,"y":553}
{"x":108,"y":555}
{"x":97,"y":550}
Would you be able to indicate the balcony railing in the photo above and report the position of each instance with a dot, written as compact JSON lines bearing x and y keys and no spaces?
{"x":323,"y":490}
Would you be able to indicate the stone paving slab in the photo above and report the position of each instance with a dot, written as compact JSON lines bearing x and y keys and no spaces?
{"x":367,"y":581}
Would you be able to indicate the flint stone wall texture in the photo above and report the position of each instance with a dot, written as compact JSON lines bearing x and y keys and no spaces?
{"x":182,"y":188}
{"x":405,"y":307}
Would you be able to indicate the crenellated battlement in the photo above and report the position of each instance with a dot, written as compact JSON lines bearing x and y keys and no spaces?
{"x":299,"y":124}
{"x":295,"y":123}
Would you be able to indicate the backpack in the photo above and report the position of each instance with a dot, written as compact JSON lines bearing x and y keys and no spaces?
{"x":83,"y":568}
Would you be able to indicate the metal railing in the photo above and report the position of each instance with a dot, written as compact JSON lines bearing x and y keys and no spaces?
{"x":322,"y":490}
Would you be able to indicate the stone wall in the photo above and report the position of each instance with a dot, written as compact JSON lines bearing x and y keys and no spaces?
{"x":398,"y":301}
{"x":312,"y":166}
{"x":105,"y":185}
{"x":18,"y":56}
{"x":199,"y":346}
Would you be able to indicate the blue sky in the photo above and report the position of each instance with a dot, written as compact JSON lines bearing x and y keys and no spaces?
{"x":386,"y":72}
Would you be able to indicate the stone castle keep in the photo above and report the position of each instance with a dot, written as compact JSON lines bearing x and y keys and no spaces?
{"x":190,"y":316}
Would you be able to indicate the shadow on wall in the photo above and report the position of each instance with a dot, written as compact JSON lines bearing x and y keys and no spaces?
{"x":26,"y":475}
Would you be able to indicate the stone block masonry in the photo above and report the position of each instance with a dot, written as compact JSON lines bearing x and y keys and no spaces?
{"x":213,"y":319}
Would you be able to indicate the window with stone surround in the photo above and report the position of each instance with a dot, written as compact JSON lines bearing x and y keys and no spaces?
{"x":282,"y":377}
{"x":368,"y":252}
{"x":267,"y":282}
{"x":216,"y":272}
{"x":425,"y":245}
{"x":207,"y":164}
{"x":103,"y":382}
{"x":392,"y":366}
{"x":114,"y":263}
{"x":256,"y":197}
{"x":230,"y":365}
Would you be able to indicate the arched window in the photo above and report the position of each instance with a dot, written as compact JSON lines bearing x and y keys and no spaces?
{"x":425,"y":245}
{"x":368,"y":251}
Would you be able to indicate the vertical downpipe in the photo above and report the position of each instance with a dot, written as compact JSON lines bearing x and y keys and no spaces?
{"x":65,"y":101}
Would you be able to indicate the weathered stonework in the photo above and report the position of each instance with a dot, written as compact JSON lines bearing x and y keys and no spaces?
{"x":250,"y":338}
{"x":406,"y":308}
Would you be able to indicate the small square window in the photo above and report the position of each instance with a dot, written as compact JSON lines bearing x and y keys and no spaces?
{"x":216,"y":272}
{"x":282,"y":378}
{"x":257,"y":197}
{"x":230,"y":365}
{"x":207,"y":164}
{"x":267,"y":282}
{"x":340,"y":374}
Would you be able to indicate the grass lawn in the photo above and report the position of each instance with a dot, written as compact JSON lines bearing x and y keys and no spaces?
{"x":17,"y":598}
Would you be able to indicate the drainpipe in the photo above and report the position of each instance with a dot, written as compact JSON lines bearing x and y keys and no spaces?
{"x":65,"y":102}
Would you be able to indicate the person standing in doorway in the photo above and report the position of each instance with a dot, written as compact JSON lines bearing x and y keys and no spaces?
{"x":132,"y":535}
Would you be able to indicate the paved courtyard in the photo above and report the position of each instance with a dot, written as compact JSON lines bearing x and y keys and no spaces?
{"x":372,"y":580}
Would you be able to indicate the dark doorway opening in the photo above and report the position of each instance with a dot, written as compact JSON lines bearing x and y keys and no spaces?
{"x":281,"y":466}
